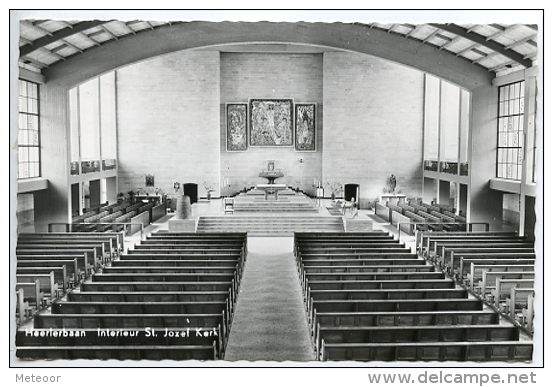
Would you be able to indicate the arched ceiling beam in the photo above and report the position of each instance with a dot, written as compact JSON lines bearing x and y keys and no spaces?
{"x":204,"y":35}
{"x":483,"y":41}
{"x":58,"y":35}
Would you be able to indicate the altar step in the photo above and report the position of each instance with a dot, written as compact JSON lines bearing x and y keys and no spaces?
{"x":288,"y":201}
{"x":269,"y":225}
{"x":275,"y":207}
{"x":259,"y":192}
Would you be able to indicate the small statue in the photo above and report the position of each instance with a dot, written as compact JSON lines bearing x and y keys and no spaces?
{"x":392,"y":182}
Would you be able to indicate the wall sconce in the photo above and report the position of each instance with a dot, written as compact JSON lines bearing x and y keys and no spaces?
{"x":176,"y":186}
{"x":301,"y":161}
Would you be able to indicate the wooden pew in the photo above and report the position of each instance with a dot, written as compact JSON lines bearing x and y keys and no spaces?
{"x":165,"y":269}
{"x":488,"y":282}
{"x":430,"y":207}
{"x":153,"y":296}
{"x":101,"y":248}
{"x":117,"y":244}
{"x":193,"y":237}
{"x":452,"y":261}
{"x":80,"y":264}
{"x":396,"y":305}
{"x":73,"y":271}
{"x":97,"y":307}
{"x":476,"y":271}
{"x":346,"y":239}
{"x":498,"y":258}
{"x":121,"y":352}
{"x":447,"y":351}
{"x":385,"y":284}
{"x":431,"y":219}
{"x":520,"y":306}
{"x":91,"y":255}
{"x":32,"y":293}
{"x":342,"y":262}
{"x":422,"y":236}
{"x":405,"y":318}
{"x":357,"y":250}
{"x":134,"y":255}
{"x":167,"y":263}
{"x":437,"y":245}
{"x":503,"y":288}
{"x":378,"y":295}
{"x":129,"y":279}
{"x":337,"y":270}
{"x":59,"y":273}
{"x":386,"y":294}
{"x":180,"y":250}
{"x":414,"y":334}
{"x":233,"y":241}
{"x":151,"y":286}
{"x":23,"y":309}
{"x":375,"y":276}
{"x":382,"y":254}
{"x":113,"y":320}
{"x":48,"y":285}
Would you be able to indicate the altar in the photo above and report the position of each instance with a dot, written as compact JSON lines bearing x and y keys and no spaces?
{"x":271,"y":189}
{"x":271,"y":176}
{"x":392,"y":198}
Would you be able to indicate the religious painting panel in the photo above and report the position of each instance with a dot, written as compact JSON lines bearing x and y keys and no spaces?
{"x":271,"y":122}
{"x":305,"y":127}
{"x":237,"y":124}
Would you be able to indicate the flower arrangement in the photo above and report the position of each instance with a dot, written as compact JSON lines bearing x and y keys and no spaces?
{"x":209,"y":189}
{"x":335,"y":188}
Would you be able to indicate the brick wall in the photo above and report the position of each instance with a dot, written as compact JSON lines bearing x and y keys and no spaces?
{"x":168,"y":120}
{"x":251,"y":75}
{"x":172,"y":124}
{"x":373,"y":123}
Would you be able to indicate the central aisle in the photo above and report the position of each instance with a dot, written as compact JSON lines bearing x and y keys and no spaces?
{"x":270,"y":321}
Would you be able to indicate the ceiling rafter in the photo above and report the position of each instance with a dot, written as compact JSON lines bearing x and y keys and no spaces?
{"x":61,"y":34}
{"x":37,"y":63}
{"x":126,"y":24}
{"x":528,"y":39}
{"x":477,"y":38}
{"x":451,"y":42}
{"x":54,"y":36}
{"x":501,"y":66}
{"x":433,"y":34}
{"x":465,"y":50}
{"x":72,"y":45}
{"x":502,"y":31}
{"x":107,"y":31}
{"x":87,"y":36}
{"x":414,"y":30}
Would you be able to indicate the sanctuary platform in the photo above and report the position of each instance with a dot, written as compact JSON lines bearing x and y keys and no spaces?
{"x":287,"y":201}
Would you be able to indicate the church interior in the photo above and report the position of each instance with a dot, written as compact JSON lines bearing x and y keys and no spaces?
{"x":277,"y":191}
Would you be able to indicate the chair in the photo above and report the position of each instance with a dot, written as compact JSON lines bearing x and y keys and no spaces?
{"x":228,"y":204}
{"x":351,"y":197}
